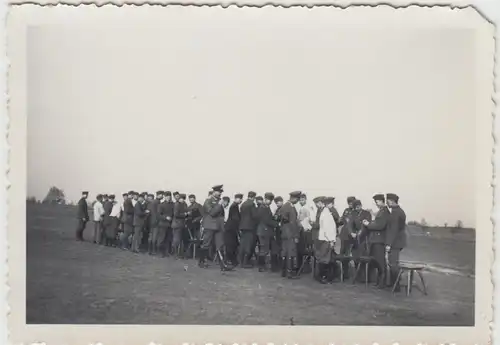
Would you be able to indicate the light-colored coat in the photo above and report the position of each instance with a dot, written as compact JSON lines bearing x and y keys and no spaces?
{"x":327,"y":227}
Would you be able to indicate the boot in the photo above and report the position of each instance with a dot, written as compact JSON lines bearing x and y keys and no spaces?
{"x":294,"y":267}
{"x":203,"y":255}
{"x":222,"y":262}
{"x":274,"y":263}
{"x":283,"y":266}
{"x":262,"y":263}
{"x":150,"y":248}
{"x":246,"y":262}
{"x":322,"y":273}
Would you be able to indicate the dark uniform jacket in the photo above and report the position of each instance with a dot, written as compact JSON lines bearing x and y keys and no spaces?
{"x":357,"y":224}
{"x":396,"y":230}
{"x":336,"y":217}
{"x":139,"y":214}
{"x":165,"y":214}
{"x":347,"y":225}
{"x":153,"y":213}
{"x":267,"y":223}
{"x":248,"y":214}
{"x":195,"y":212}
{"x":213,"y":214}
{"x":233,"y":219}
{"x":180,"y":209}
{"x":128,"y":212}
{"x":378,"y":226}
{"x":83,"y":209}
{"x":289,"y":222}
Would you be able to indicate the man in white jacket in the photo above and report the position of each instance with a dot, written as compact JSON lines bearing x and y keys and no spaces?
{"x":98,"y":218}
{"x":326,"y":241}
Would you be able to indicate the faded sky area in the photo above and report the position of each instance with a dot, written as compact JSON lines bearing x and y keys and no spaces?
{"x":255,"y":103}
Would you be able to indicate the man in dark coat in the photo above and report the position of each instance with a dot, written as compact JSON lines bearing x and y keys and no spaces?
{"x":179,"y":223}
{"x":248,"y":228}
{"x":231,"y":232}
{"x":265,"y":230}
{"x":213,"y":228}
{"x":153,"y":222}
{"x":82,"y":215}
{"x":128,"y":220}
{"x":194,"y":217}
{"x":290,"y":233}
{"x":107,"y":222}
{"x":276,"y":242}
{"x":377,"y":232}
{"x":165,"y":217}
{"x":395,"y":237}
{"x":347,"y":234}
{"x":140,"y":215}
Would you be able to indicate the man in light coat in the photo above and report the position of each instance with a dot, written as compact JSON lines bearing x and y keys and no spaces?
{"x":326,"y":240}
{"x":98,"y":217}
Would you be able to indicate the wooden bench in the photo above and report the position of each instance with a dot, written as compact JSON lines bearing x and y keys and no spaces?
{"x":410,"y":268}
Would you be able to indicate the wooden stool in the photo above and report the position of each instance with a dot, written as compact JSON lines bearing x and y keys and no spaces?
{"x":366,"y":260}
{"x":411,"y":268}
{"x":342,"y":259}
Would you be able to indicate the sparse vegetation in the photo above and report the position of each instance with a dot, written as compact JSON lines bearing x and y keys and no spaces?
{"x":55,"y":196}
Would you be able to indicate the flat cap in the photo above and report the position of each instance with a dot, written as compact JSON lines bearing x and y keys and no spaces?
{"x":111,"y":196}
{"x":251,"y":194}
{"x":238,"y":196}
{"x":351,"y":199}
{"x":392,"y":196}
{"x":182,"y":196}
{"x":131,"y":192}
{"x":98,"y":196}
{"x":318,"y":199}
{"x":226,"y":198}
{"x":356,"y":203}
{"x":328,"y":200}
{"x":143,"y":195}
{"x":125,"y":194}
{"x":278,"y":199}
{"x":85,"y":192}
{"x":269,"y":196}
{"x":176,"y":193}
{"x":295,"y":194}
{"x":168,"y":193}
{"x":259,"y":198}
{"x":192,"y":196}
{"x":160,"y":192}
{"x":218,"y":188}
{"x":380,"y":197}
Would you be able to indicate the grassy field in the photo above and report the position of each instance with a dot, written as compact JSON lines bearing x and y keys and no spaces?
{"x":71,"y":282}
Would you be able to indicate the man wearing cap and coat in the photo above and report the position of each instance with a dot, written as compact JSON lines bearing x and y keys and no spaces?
{"x":232,"y":230}
{"x":265,"y":230}
{"x":290,"y":233}
{"x":377,"y":232}
{"x":248,"y":227}
{"x":82,"y":216}
{"x":140,"y":215}
{"x":179,"y":223}
{"x":213,"y":228}
{"x":153,"y":222}
{"x":347,"y":234}
{"x":165,"y":216}
{"x":128,"y":220}
{"x":395,"y":239}
{"x":107,"y":222}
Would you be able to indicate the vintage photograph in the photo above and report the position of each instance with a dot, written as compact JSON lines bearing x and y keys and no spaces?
{"x":256,"y":166}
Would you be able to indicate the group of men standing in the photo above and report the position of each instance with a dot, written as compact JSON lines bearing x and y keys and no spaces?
{"x":234,"y":233}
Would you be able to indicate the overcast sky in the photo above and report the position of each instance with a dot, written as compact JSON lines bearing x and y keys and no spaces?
{"x":255,"y":104}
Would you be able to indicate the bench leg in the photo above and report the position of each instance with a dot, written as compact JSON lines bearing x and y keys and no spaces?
{"x":397,"y":280}
{"x":421,"y":276}
{"x":356,"y":273}
{"x":367,"y":273}
{"x":410,"y":282}
{"x":341,"y":272}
